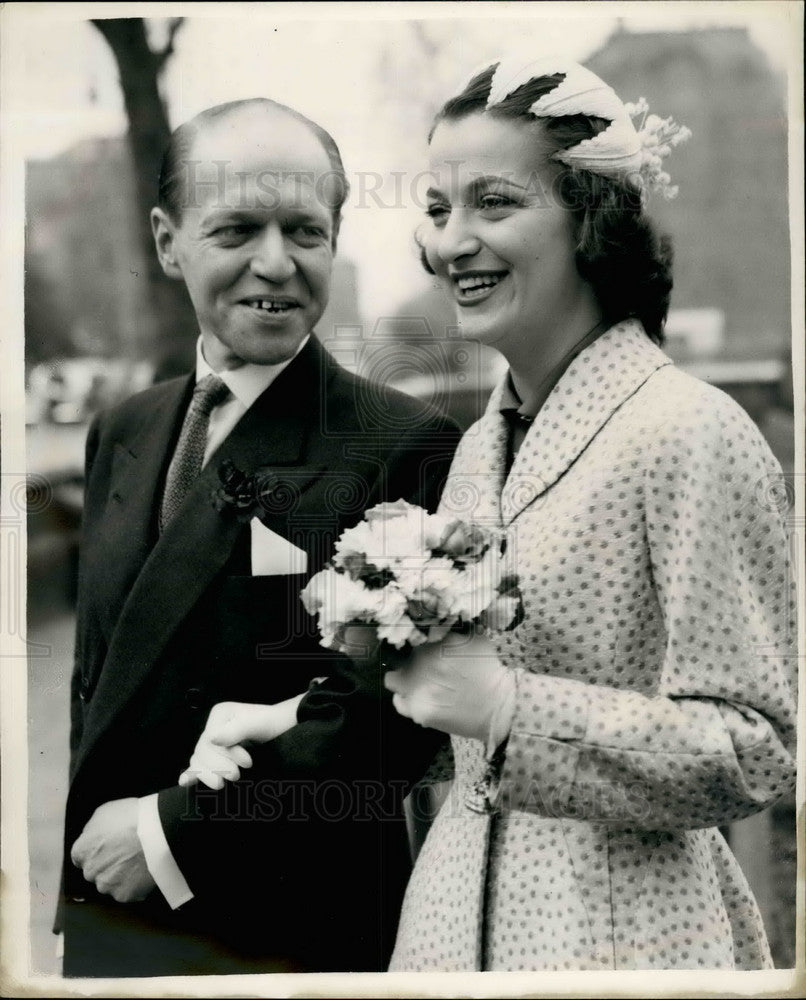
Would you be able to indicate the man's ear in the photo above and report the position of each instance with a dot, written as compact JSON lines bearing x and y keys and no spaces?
{"x":164,"y":229}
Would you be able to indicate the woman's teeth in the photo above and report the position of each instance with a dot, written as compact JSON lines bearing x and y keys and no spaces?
{"x":477,"y":284}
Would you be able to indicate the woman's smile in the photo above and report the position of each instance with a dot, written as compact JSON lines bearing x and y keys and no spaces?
{"x":504,"y":251}
{"x":474,"y":287}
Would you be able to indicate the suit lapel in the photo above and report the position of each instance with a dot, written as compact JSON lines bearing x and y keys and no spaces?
{"x":594,"y":386}
{"x":138,"y":464}
{"x":198,"y":541}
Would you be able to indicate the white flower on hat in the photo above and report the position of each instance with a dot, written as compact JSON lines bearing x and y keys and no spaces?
{"x":617,"y":151}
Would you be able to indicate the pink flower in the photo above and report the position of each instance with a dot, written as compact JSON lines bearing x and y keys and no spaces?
{"x":463,"y":542}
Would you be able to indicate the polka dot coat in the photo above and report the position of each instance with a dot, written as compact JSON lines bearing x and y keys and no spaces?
{"x":655,"y":681}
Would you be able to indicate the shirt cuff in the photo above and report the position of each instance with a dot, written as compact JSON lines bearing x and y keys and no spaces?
{"x":159,"y":859}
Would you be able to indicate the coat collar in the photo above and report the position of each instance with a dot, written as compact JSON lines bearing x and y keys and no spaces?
{"x":473,"y":488}
{"x":199,"y":540}
{"x":588,"y":393}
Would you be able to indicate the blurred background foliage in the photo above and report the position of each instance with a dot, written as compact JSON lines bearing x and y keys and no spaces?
{"x":101,"y":321}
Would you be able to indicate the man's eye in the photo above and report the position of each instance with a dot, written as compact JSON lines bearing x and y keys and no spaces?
{"x":309,"y":235}
{"x":234,"y":232}
{"x":438,"y":214}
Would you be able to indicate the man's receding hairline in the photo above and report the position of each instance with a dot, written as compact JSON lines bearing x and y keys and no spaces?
{"x":181,"y":148}
{"x":209,"y":118}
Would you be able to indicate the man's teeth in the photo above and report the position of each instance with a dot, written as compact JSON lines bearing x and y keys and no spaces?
{"x":478,"y":281}
{"x":270,"y":306}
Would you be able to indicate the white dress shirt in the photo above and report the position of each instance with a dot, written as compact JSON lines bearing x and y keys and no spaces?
{"x":246,"y":384}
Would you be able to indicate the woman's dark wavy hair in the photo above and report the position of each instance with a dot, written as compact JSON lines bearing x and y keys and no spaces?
{"x":619,"y":252}
{"x":172,"y":192}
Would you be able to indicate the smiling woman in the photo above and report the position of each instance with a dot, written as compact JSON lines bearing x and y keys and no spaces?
{"x":572,"y":247}
{"x":502,"y":245}
{"x":647,"y":698}
{"x":253,"y":238}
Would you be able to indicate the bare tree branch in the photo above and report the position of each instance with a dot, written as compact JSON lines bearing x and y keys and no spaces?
{"x":127,"y":33}
{"x":162,"y":55}
{"x":427,"y":44}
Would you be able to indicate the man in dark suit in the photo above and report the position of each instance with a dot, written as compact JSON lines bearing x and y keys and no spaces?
{"x":210,"y":500}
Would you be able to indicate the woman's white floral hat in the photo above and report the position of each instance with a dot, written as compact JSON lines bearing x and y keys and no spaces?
{"x":619,"y":150}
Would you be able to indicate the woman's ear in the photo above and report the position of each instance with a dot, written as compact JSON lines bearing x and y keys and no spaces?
{"x":164,"y":229}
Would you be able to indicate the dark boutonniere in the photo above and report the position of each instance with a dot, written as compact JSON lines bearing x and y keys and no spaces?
{"x":244,"y":494}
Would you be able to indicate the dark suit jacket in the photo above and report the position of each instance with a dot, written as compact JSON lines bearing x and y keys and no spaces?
{"x":300,"y":865}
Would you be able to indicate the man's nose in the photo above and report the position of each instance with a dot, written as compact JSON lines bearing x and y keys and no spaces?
{"x":271,"y":258}
{"x":457,"y":238}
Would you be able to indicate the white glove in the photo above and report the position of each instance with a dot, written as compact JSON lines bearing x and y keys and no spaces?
{"x":218,"y":756}
{"x":458,"y":686}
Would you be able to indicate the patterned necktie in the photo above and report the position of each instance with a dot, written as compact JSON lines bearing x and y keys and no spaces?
{"x":187,"y":461}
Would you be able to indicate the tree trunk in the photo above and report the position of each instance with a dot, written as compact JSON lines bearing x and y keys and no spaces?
{"x":169,"y":325}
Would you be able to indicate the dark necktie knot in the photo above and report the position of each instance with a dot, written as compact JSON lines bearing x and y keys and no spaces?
{"x":209,"y":392}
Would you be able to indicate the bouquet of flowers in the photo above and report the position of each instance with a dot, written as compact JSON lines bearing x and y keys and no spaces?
{"x":414,"y":576}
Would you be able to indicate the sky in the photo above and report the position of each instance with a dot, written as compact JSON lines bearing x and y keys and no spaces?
{"x":372,"y":74}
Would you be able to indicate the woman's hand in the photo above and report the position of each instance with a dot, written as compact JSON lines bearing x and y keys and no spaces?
{"x":219,"y":756}
{"x":458,"y":686}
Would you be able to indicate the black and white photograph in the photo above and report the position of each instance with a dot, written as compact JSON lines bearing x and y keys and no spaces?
{"x":402,"y":498}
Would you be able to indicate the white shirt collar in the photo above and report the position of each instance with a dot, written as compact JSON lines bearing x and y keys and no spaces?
{"x":249,"y":381}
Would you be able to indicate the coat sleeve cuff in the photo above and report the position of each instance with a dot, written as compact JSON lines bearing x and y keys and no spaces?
{"x":542,"y":754}
{"x":159,"y":858}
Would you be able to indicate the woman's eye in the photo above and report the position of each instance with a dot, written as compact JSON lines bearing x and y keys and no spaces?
{"x":490,"y":202}
{"x":437,"y":213}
